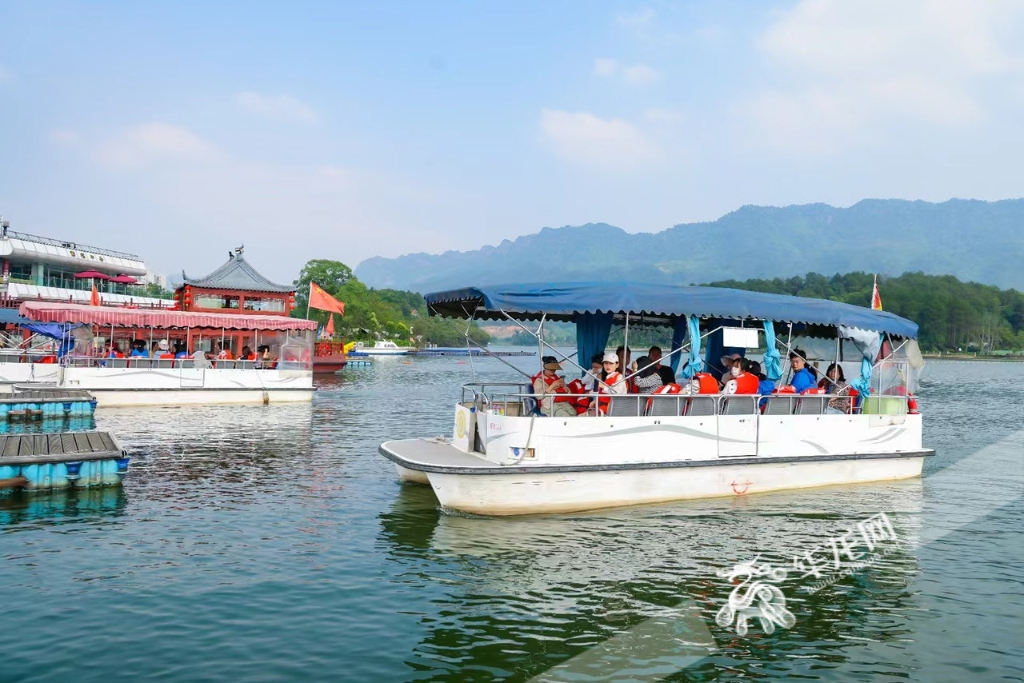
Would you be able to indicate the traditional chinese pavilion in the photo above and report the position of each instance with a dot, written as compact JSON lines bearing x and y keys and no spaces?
{"x":235,"y":287}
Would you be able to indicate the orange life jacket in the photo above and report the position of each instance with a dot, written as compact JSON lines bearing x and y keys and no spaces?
{"x":612,"y":379}
{"x":707,"y":384}
{"x":581,"y":403}
{"x":744,"y":383}
{"x":558,"y":399}
{"x":664,"y":389}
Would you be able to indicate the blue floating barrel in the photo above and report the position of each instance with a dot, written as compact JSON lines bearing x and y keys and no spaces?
{"x":74,"y":470}
{"x":122,"y":465}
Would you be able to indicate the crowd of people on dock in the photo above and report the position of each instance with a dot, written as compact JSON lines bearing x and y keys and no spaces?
{"x":613,"y":373}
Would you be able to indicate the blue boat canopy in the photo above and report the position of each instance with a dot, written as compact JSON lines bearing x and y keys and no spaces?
{"x":656,"y":304}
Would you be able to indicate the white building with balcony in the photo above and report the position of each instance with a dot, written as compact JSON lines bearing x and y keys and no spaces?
{"x":41,"y":268}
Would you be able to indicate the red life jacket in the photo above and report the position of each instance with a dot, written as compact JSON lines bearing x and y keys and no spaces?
{"x":611,"y":380}
{"x":664,"y":389}
{"x":706,"y":383}
{"x":788,"y":389}
{"x":581,"y":403}
{"x":558,"y":399}
{"x":744,"y":383}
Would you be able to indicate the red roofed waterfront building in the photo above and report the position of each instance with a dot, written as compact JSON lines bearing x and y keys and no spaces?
{"x":235,"y":287}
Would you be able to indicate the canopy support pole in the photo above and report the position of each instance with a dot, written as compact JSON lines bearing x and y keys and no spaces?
{"x":625,"y":349}
{"x":540,"y":340}
{"x":544,"y":343}
{"x":484,"y":348}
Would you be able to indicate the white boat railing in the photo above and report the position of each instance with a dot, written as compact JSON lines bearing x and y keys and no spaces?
{"x":173,"y":363}
{"x":525,"y":403}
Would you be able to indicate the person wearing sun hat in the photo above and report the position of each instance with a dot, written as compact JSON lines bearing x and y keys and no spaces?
{"x":551,"y":391}
{"x":613,"y":382}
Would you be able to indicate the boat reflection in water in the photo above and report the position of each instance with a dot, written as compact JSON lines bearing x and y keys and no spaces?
{"x":213,"y":445}
{"x":532,"y":592}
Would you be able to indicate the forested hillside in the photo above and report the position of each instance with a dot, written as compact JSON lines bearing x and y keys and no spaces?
{"x":952,"y":314}
{"x":973,"y":240}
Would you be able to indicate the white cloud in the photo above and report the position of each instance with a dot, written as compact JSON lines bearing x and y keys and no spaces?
{"x":157,"y":142}
{"x":852,"y":70}
{"x":639,"y":74}
{"x":278,"y":107}
{"x":64,"y":136}
{"x":587,"y":139}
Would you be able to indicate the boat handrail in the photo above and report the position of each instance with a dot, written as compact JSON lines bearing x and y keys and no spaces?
{"x":706,"y":404}
{"x":180,"y":363}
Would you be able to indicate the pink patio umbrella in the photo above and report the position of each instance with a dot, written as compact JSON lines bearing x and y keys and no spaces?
{"x":93,"y":274}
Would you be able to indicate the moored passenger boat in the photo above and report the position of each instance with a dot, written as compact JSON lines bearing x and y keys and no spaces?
{"x":506,"y":458}
{"x":199,"y":377}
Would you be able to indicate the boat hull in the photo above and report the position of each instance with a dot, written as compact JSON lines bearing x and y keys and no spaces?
{"x":122,"y":398}
{"x":481,"y":488}
{"x":173,"y":386}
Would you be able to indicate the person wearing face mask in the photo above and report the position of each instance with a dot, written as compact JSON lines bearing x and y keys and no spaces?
{"x":803,"y":378}
{"x":739,"y":380}
{"x":729,"y":362}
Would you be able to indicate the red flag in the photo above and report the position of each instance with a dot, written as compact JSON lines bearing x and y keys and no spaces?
{"x":318,"y":298}
{"x":876,"y":299}
{"x":330,"y":326}
{"x":94,"y":299}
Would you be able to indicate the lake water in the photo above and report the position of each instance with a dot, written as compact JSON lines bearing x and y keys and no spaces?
{"x":273,"y":543}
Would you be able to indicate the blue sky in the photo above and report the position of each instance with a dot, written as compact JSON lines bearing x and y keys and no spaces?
{"x":348,"y":130}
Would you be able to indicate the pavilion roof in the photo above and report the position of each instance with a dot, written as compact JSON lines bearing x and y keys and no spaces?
{"x":237,"y":274}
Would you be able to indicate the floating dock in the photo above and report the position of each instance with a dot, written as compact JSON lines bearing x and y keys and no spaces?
{"x":457,"y":351}
{"x":37,"y":404}
{"x":61,"y":460}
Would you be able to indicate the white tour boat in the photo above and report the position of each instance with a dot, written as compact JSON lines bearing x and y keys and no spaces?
{"x":195,"y":379}
{"x":381,"y":348}
{"x":504,"y":458}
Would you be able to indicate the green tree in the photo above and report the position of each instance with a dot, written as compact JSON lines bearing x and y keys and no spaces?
{"x":330,"y":275}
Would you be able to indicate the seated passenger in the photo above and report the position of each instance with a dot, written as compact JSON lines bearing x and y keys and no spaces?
{"x":803,"y":378}
{"x":835,"y":383}
{"x":223,"y":353}
{"x":592,"y":380}
{"x":163,"y":351}
{"x":246,"y":354}
{"x":626,"y":368}
{"x":664,"y":371}
{"x":179,"y":350}
{"x":648,"y":379}
{"x":732,"y":366}
{"x":548,"y":387}
{"x":764,"y":385}
{"x":612,"y":381}
{"x":741,"y":381}
{"x":138,"y":350}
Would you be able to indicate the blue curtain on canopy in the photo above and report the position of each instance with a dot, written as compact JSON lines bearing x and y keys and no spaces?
{"x":693,"y":365}
{"x":592,"y":331}
{"x":772,"y":358}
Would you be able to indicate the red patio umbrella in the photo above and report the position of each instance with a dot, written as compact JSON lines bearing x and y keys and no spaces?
{"x":124,"y":280}
{"x":93,"y":274}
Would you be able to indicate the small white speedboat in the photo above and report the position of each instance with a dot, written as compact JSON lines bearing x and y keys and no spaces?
{"x":381,"y":348}
{"x":505,"y":458}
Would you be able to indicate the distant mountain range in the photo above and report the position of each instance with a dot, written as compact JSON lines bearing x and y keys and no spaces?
{"x":971,"y":239}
